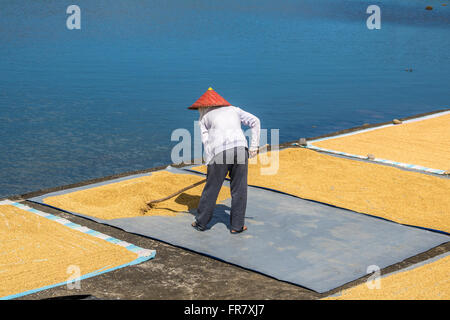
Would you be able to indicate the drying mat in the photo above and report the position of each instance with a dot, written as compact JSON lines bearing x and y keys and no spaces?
{"x":302,"y":242}
{"x":406,"y":197}
{"x":421,"y":144}
{"x":428,"y":280}
{"x":38,"y":249}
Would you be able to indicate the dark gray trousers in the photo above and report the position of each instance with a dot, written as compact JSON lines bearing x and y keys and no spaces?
{"x":235,"y":162}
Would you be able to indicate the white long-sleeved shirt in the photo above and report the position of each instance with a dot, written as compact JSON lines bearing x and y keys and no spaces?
{"x":220,"y":130}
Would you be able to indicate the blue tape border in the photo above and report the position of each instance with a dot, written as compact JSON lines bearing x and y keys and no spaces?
{"x":143,"y":254}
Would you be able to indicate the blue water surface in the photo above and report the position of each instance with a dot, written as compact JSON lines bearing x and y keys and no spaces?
{"x":82,"y":104}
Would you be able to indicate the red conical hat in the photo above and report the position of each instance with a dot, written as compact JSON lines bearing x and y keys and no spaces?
{"x":210,"y":99}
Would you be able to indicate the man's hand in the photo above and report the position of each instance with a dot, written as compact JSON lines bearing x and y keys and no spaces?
{"x":252,"y":153}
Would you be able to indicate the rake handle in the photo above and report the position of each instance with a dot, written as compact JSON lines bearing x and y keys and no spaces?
{"x":178,"y":192}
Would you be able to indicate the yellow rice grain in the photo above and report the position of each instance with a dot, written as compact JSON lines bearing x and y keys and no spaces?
{"x":428,"y":282}
{"x":425,"y":143}
{"x":37,"y":252}
{"x":128,"y":198}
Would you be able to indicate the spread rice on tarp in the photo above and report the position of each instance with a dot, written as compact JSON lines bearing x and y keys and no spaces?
{"x":427,"y":282}
{"x":128,"y":198}
{"x":425,"y":143}
{"x":36,"y":252}
{"x":406,"y":197}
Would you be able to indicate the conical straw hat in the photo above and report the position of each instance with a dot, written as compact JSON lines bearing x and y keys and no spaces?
{"x":210,"y":99}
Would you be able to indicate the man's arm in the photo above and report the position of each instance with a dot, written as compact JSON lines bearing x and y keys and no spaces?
{"x":204,"y":137}
{"x":253,"y":122}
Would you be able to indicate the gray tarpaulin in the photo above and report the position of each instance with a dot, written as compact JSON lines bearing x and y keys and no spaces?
{"x":313,"y":245}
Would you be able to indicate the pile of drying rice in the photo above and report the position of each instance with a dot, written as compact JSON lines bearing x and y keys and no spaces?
{"x":129,"y":198}
{"x":425,"y":142}
{"x":37,"y":252}
{"x":427,"y":282}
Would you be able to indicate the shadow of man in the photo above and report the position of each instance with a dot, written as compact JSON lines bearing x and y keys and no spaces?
{"x":221,"y":211}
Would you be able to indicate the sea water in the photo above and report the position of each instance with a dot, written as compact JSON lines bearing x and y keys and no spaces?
{"x":105,"y":98}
